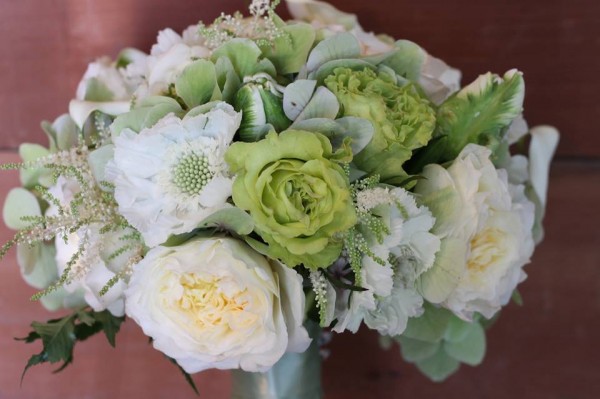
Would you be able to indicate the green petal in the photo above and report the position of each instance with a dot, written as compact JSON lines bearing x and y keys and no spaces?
{"x":38,"y":265}
{"x":323,"y":104}
{"x":231,"y":219}
{"x":296,"y":97}
{"x":149,"y":111}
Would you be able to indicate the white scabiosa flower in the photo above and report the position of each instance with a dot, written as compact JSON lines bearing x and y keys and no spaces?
{"x":403,"y":255}
{"x":216,"y":303}
{"x":170,"y":177}
{"x":486,"y":228}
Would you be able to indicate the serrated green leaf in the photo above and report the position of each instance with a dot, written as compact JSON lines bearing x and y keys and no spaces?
{"x":110,"y":325}
{"x":430,"y":326}
{"x":188,"y":378}
{"x":33,"y":361}
{"x":58,"y":338}
{"x":197,"y":83}
{"x":439,"y":366}
{"x":414,"y":350}
{"x":471,"y":349}
{"x":481,"y":112}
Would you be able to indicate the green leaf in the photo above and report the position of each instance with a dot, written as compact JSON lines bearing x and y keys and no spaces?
{"x":324,"y":104}
{"x":20,"y":203}
{"x":517,"y":298}
{"x":33,"y":361}
{"x":296,"y":96}
{"x":188,"y":378}
{"x":58,"y":338}
{"x":471,"y":349}
{"x":408,"y":60}
{"x":197,"y":83}
{"x":414,"y":350}
{"x":481,"y":112}
{"x":231,"y":219}
{"x":29,"y":153}
{"x":430,"y":326}
{"x":110,"y":325}
{"x":457,"y":330}
{"x":340,"y":46}
{"x":438,"y":367}
{"x":245,"y":56}
{"x":289,"y":52}
{"x":38,"y":264}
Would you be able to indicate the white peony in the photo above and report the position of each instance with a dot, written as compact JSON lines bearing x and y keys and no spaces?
{"x":408,"y":251}
{"x":216,"y":303}
{"x":167,"y":59}
{"x":486,"y":228}
{"x":170,"y":177}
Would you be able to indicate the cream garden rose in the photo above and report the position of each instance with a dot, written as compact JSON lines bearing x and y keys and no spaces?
{"x":216,"y":303}
{"x":485,"y":225}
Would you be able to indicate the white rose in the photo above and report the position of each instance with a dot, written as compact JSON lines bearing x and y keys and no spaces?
{"x":216,"y":303}
{"x":170,"y":177}
{"x":486,"y":228}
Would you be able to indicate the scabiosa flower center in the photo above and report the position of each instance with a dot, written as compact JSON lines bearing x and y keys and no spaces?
{"x":192,"y":173}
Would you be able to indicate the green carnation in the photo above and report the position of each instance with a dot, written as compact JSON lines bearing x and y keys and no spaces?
{"x":403,"y":120}
{"x":297,"y":195}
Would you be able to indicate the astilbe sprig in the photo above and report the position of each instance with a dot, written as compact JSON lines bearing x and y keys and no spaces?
{"x":91,"y":205}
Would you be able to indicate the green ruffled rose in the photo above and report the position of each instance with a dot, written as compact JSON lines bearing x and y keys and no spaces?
{"x":403,"y":120}
{"x":298,"y":196}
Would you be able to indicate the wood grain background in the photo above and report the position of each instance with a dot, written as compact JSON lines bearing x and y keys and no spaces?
{"x":547,"y":349}
{"x":46,"y":46}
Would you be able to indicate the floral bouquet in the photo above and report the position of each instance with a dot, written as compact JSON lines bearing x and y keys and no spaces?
{"x":253,"y":181}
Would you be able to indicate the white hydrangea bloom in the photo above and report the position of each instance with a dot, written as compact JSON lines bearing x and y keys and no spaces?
{"x":170,"y":177}
{"x":167,"y":59}
{"x":408,"y":251}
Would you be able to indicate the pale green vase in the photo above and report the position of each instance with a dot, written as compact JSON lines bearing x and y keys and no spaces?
{"x":294,"y":376}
